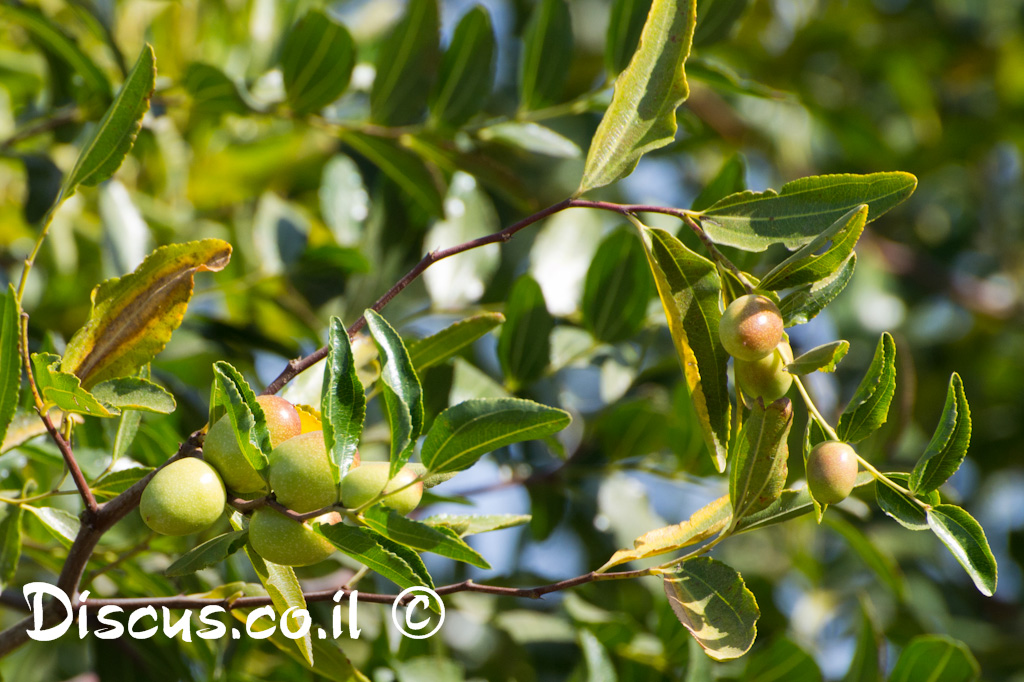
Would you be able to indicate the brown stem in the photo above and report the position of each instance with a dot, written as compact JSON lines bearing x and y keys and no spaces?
{"x":72,"y":464}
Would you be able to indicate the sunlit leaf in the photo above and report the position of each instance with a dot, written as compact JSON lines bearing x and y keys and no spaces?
{"x":391,"y":560}
{"x":869,"y":407}
{"x":10,"y":360}
{"x":134,"y":393}
{"x":343,"y":404}
{"x":803,"y":303}
{"x":901,"y":508}
{"x":421,"y":536}
{"x":531,"y":137}
{"x":64,"y":390}
{"x":759,"y":464}
{"x":477,"y":523}
{"x":966,"y":539}
{"x":948,"y":447}
{"x":823,"y":358}
{"x":448,"y":342}
{"x":231,"y":395}
{"x":62,"y":525}
{"x":809,"y":263}
{"x":213,"y":551}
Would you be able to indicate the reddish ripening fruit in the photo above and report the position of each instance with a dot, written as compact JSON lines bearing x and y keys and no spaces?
{"x":281,"y":540}
{"x":300,"y":473}
{"x":831,"y":471}
{"x":365,"y":482}
{"x":751,"y":327}
{"x":184,"y":497}
{"x":221,"y":449}
{"x":766,"y":378}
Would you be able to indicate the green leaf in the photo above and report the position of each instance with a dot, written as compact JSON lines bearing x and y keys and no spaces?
{"x":865,"y":665}
{"x":711,"y":601}
{"x":134,"y":393}
{"x":116,"y":132}
{"x":10,"y":360}
{"x":465,"y":432}
{"x":625,"y":23}
{"x":948,"y":447}
{"x":344,"y":201}
{"x":477,"y":523}
{"x":133,"y":316}
{"x":403,"y":167}
{"x":342,"y":402}
{"x":809,"y":264}
{"x":704,"y":523}
{"x":715,"y":19}
{"x":467,"y":70}
{"x":936,"y":657}
{"x":524,"y":347}
{"x":690,"y":288}
{"x":406,"y":66}
{"x":231,"y":395}
{"x":731,"y":178}
{"x":759,"y":465}
{"x":546,"y":56}
{"x":211,"y":552}
{"x":901,"y":508}
{"x":386,"y":557}
{"x":403,"y":396}
{"x":642,"y":115}
{"x":823,"y":358}
{"x":10,"y":544}
{"x":422,"y":536}
{"x":212,"y":91}
{"x":804,"y":303}
{"x":316,"y":61}
{"x":64,"y":390}
{"x":617,"y":288}
{"x":791,"y":504}
{"x":116,"y":482}
{"x":127,"y":429}
{"x":804,"y":208}
{"x":599,"y":665}
{"x":965,"y":538}
{"x":531,"y":137}
{"x":869,"y":407}
{"x":448,"y":342}
{"x":781,"y":660}
{"x":62,"y":525}
{"x":872,"y":554}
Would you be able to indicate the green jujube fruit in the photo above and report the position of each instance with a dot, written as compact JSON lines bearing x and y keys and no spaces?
{"x":184,"y":497}
{"x":831,"y":471}
{"x":281,"y":540}
{"x":766,"y":378}
{"x":751,"y":327}
{"x":300,"y":473}
{"x":366,"y":481}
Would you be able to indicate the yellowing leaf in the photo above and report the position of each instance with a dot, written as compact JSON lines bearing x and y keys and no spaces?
{"x":133,"y":316}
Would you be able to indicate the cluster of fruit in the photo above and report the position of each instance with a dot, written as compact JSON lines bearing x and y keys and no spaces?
{"x":751,"y":330}
{"x":190,"y":494}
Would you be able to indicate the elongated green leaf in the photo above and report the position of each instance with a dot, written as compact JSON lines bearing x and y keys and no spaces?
{"x":759,"y":465}
{"x":396,"y":563}
{"x":212,"y":91}
{"x":477,"y":523}
{"x":948,"y":447}
{"x":965,"y":538}
{"x":791,"y":504}
{"x":62,"y":525}
{"x":865,"y":665}
{"x":405,"y":168}
{"x":809,"y":264}
{"x":901,"y":508}
{"x":285,"y":593}
{"x":401,"y":388}
{"x":936,"y":657}
{"x":712,"y":602}
{"x":465,"y":432}
{"x":446,"y":343}
{"x":467,"y":70}
{"x":531,"y":137}
{"x":64,"y":390}
{"x":524,"y":347}
{"x":127,"y":429}
{"x":625,"y":23}
{"x":344,"y":201}
{"x":231,"y":395}
{"x":642,"y":115}
{"x":731,"y":178}
{"x":134,"y":393}
{"x":706,"y":522}
{"x":617,"y":288}
{"x":869,"y":407}
{"x":342,"y":402}
{"x":546,"y":56}
{"x":407,"y":66}
{"x":690,"y":288}
{"x":133,"y":316}
{"x":115,"y":134}
{"x":211,"y":552}
{"x":421,"y":536}
{"x":10,"y":544}
{"x":316,"y":61}
{"x":804,"y":303}
{"x":822,"y":358}
{"x":116,"y":482}
{"x":802,"y":209}
{"x":715,"y":19}
{"x":781,"y":661}
{"x":10,"y":360}
{"x":872,"y":554}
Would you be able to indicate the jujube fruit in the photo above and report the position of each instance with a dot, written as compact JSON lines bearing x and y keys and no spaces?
{"x":751,"y":327}
{"x":366,"y":481}
{"x":766,"y":378}
{"x":285,"y":541}
{"x":300,"y":473}
{"x":831,"y":471}
{"x":222,"y":451}
{"x":184,"y":497}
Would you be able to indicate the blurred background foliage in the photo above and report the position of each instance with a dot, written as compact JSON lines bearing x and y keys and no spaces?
{"x":327,"y":205}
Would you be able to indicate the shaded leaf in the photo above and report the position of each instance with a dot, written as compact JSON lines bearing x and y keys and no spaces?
{"x":392,"y":561}
{"x":869,"y":407}
{"x":405,"y":168}
{"x":712,"y":602}
{"x":342,"y":402}
{"x":966,"y":539}
{"x":936,"y":657}
{"x":467,"y":70}
{"x":10,"y":544}
{"x":948,"y":447}
{"x":422,"y":536}
{"x":872,"y":554}
{"x":406,"y":66}
{"x":64,"y":390}
{"x":134,"y":393}
{"x":625,"y":23}
{"x":759,"y":464}
{"x":531,"y":137}
{"x":546,"y":56}
{"x":616,"y":289}
{"x":781,"y":660}
{"x":477,"y":523}
{"x":809,"y":263}
{"x":524,"y":346}
{"x":10,"y":360}
{"x":865,"y":666}
{"x":62,"y":525}
{"x":901,"y":508}
{"x":731,"y":177}
{"x":231,"y":395}
{"x":212,"y":91}
{"x":823,"y":358}
{"x":715,"y":19}
{"x":804,"y":303}
{"x":446,"y":343}
{"x":344,"y":201}
{"x":211,"y":552}
{"x":316,"y":61}
{"x":116,"y":482}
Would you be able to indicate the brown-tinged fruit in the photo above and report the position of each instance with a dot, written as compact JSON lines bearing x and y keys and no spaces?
{"x":831,"y":471}
{"x":751,"y":327}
